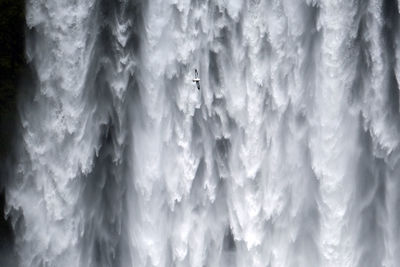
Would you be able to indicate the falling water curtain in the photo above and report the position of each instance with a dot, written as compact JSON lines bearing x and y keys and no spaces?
{"x":287,"y":156}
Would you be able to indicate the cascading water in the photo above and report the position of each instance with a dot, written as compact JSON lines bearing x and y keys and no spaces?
{"x":288,"y":156}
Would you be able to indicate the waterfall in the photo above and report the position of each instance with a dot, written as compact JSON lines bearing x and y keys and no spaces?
{"x":289,"y":155}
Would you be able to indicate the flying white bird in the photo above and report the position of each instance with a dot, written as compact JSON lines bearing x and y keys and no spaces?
{"x":196,"y":79}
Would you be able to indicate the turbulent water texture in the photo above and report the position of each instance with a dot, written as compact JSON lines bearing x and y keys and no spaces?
{"x":289,"y":154}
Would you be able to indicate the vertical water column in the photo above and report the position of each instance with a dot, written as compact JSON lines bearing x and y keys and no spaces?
{"x":163,"y":166}
{"x":334,"y":130}
{"x":59,"y":134}
{"x":271,"y":185}
{"x":290,"y":187}
{"x":380,"y":110}
{"x":112,"y":70}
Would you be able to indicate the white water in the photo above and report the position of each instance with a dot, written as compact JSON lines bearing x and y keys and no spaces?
{"x":288,"y":156}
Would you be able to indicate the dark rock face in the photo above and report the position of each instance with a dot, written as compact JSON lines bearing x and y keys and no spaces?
{"x":12,"y":63}
{"x":12,"y":68}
